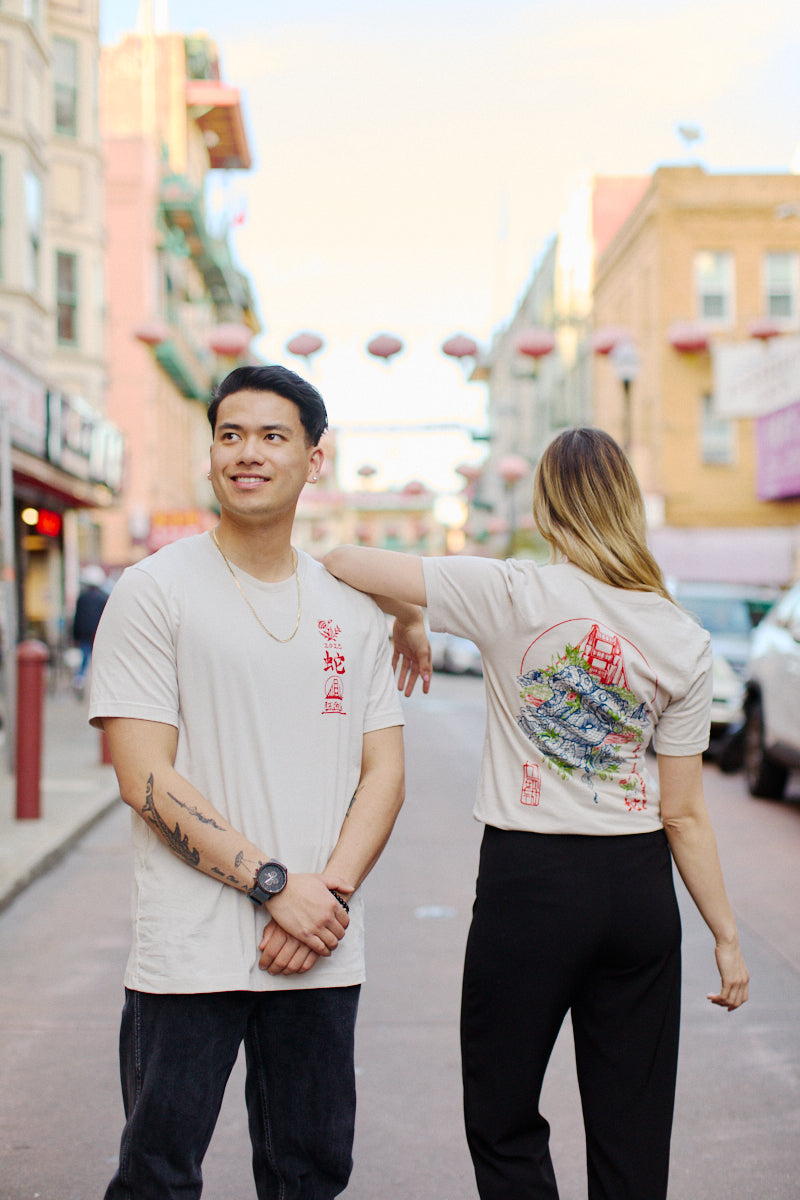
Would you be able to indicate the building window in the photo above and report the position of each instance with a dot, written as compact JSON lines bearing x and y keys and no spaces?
{"x":781,"y":285}
{"x":33,"y":230}
{"x":717,"y":436}
{"x":713,"y":277}
{"x":67,"y":299}
{"x":65,"y":86}
{"x":32,"y":11}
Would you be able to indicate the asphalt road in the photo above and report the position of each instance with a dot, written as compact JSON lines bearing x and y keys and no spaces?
{"x":63,"y":945}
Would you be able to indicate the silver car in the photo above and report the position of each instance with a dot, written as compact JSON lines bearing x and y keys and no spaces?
{"x":772,"y":702}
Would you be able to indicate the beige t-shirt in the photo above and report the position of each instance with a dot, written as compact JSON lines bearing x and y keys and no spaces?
{"x":270,"y":733}
{"x":579,"y":677}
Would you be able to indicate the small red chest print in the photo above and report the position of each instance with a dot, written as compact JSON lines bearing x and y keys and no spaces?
{"x":333,"y":665}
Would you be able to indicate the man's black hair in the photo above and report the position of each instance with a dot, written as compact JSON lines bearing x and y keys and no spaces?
{"x":282,"y":382}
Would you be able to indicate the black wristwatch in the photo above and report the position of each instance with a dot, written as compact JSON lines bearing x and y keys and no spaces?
{"x":270,"y":879}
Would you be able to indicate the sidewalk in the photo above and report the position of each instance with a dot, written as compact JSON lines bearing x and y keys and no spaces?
{"x":76,"y":790}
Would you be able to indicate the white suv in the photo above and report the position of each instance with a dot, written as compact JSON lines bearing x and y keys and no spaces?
{"x":772,"y":701}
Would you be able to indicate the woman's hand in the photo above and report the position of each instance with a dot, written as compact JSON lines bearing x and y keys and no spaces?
{"x":734,"y":976}
{"x":412,"y":653}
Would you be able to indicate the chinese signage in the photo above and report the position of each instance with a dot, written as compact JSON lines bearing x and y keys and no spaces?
{"x":81,"y":443}
{"x":752,"y":378}
{"x":24,"y":398}
{"x":778,"y":454}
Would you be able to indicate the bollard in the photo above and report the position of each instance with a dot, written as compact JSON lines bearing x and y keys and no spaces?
{"x":32,"y":658}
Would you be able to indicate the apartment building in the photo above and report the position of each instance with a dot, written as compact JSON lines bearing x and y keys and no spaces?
{"x":701,"y":286}
{"x":181,"y":313}
{"x":65,"y":457}
{"x":539,"y":370}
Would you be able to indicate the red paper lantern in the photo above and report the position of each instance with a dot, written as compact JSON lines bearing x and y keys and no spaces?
{"x":470,"y":471}
{"x":385,"y":346}
{"x":230,"y":339}
{"x":513,"y":467}
{"x":604,"y":340}
{"x":459,"y":346}
{"x":304,"y":344}
{"x":688,"y":338}
{"x":535,"y":343}
{"x":414,"y":487}
{"x":152,"y":333}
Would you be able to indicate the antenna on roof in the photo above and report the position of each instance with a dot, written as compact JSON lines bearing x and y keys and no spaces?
{"x":689,"y":134}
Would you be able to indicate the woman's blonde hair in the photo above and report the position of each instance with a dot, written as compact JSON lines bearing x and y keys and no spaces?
{"x":588,"y":506}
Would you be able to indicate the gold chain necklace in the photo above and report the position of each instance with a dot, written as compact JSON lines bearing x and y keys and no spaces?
{"x":247,"y":602}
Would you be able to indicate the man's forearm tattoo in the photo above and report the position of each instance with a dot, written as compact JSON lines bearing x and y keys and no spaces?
{"x":195,"y":812}
{"x":177,"y":842}
{"x":352,"y":802}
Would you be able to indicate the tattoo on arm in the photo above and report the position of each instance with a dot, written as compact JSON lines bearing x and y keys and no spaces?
{"x":227,"y":878}
{"x":195,"y":812}
{"x":177,"y":842}
{"x":352,"y":802}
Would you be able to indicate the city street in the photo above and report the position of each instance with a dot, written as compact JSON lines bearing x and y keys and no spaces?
{"x":63,"y":944}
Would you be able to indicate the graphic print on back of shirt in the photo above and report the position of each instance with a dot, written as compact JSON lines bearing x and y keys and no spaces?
{"x":578,"y":710}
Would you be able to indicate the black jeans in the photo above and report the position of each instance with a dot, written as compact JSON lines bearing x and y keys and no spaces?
{"x":176,"y":1054}
{"x":588,"y":925}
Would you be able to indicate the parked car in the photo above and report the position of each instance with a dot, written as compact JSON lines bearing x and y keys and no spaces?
{"x":461,"y":656}
{"x":455,"y":655}
{"x":729,"y":612}
{"x":771,"y":743}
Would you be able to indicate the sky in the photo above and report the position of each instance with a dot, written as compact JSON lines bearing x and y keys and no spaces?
{"x":412,"y":161}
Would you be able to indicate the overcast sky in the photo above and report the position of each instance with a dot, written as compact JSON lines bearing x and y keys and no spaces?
{"x":412,"y":160}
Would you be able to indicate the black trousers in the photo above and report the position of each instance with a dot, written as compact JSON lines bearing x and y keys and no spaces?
{"x":588,"y":925}
{"x":176,"y":1055}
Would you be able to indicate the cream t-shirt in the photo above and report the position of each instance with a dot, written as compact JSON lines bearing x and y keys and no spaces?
{"x":270,"y":733}
{"x":580,"y":677}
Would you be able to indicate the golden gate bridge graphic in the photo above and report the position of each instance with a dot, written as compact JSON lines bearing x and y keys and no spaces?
{"x":603,"y":654}
{"x":581,"y":714}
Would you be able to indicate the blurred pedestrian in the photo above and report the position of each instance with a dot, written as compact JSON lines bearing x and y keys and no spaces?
{"x":88,"y":611}
{"x":585,"y":661}
{"x":254,"y":725}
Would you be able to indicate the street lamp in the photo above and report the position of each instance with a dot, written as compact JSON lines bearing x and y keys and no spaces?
{"x":627,"y":363}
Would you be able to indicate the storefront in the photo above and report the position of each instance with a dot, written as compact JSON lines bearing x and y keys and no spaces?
{"x":58,"y":460}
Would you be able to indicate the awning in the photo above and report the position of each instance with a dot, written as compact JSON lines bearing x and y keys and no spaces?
{"x":219,"y":116}
{"x":42,"y":477}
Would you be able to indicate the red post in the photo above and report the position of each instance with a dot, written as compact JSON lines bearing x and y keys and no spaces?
{"x":32,"y":658}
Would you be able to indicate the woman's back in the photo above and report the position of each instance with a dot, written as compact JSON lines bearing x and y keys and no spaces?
{"x":580,"y":676}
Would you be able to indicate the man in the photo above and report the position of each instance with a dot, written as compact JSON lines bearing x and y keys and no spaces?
{"x":254,"y":726}
{"x":88,"y":611}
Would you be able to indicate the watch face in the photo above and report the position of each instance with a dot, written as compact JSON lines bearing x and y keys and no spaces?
{"x":272,"y":877}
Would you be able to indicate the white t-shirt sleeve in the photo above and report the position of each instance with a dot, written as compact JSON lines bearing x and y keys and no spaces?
{"x":134,"y":662}
{"x":685,"y":724}
{"x":467,"y":595}
{"x":383,"y":708}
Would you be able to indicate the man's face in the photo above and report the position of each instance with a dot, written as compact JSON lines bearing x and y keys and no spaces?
{"x":260,"y":458}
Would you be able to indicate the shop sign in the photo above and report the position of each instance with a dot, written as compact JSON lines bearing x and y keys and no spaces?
{"x":81,"y":443}
{"x":25,"y":400}
{"x":171,"y":525}
{"x":778,"y":454}
{"x":753,"y":378}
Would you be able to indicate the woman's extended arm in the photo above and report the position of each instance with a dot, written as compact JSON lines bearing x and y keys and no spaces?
{"x":397,"y":584}
{"x":694,"y":849}
{"x":379,"y":572}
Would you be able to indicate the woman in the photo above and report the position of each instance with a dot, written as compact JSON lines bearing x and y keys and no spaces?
{"x":585,"y":662}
